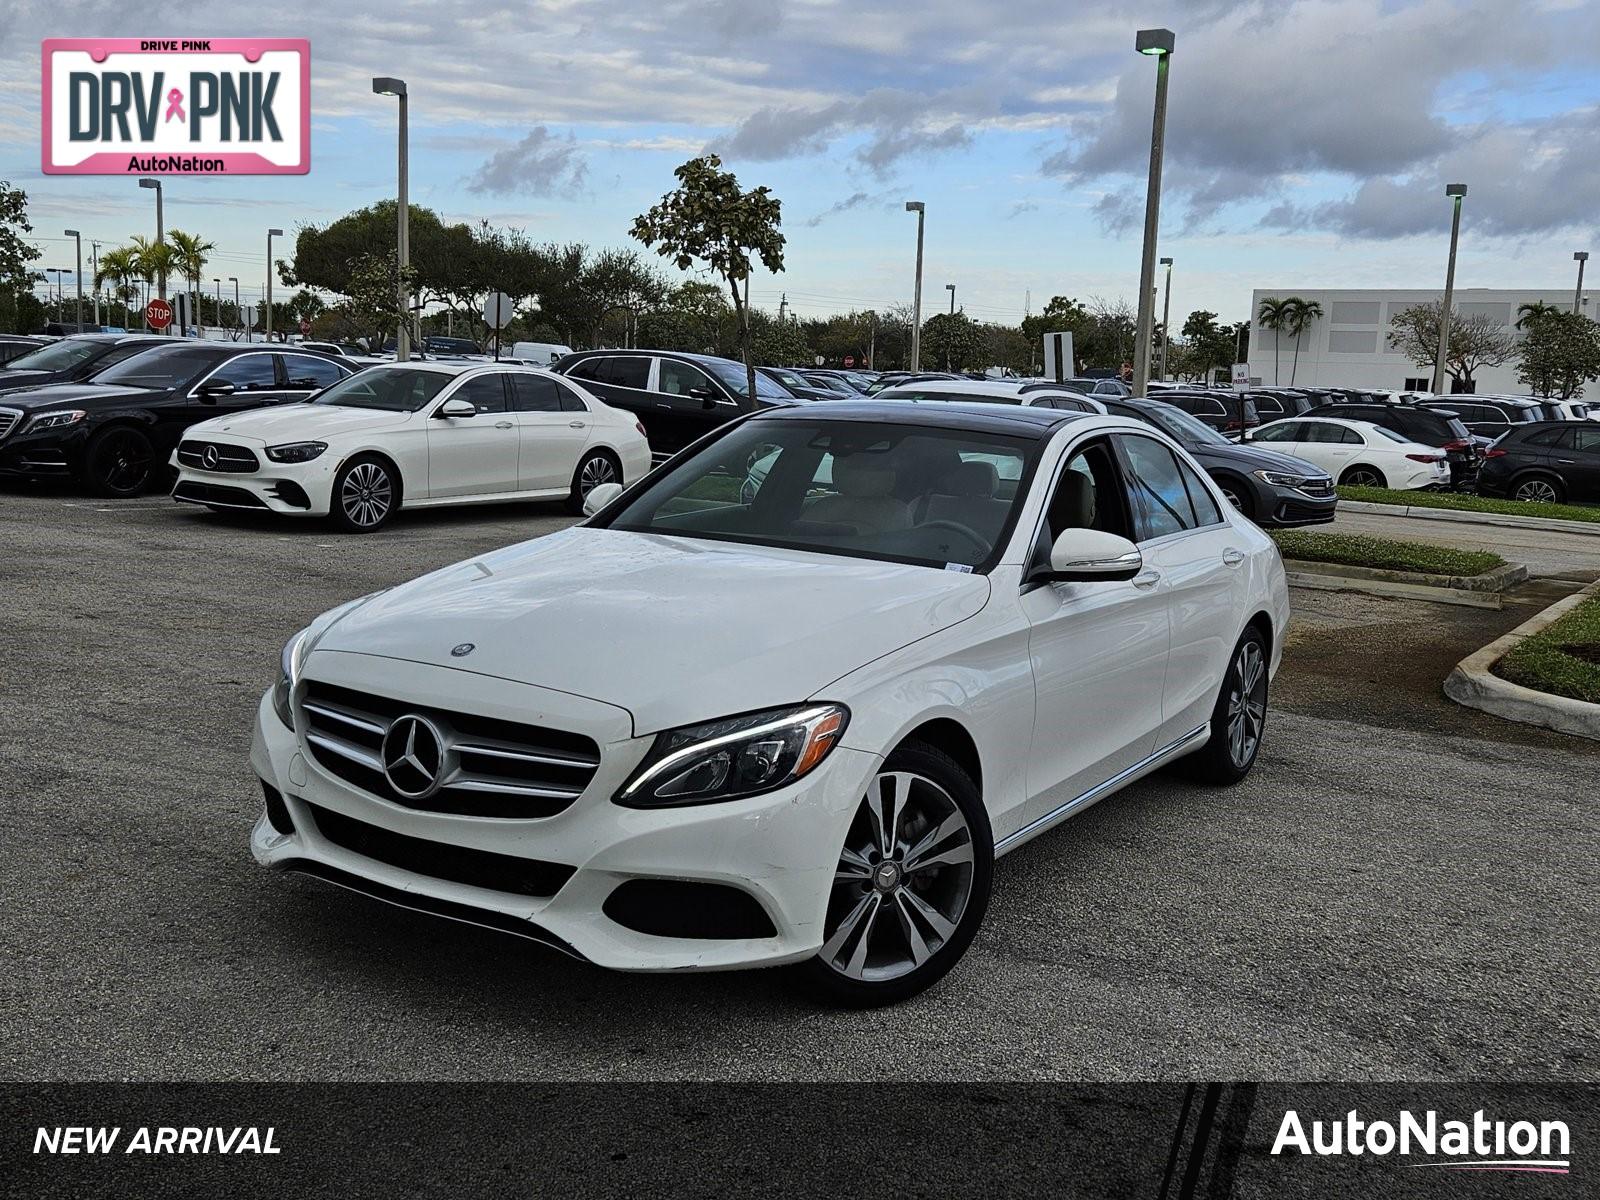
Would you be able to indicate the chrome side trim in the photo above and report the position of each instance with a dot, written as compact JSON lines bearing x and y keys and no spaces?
{"x":1099,"y":791}
{"x":323,"y":709}
{"x":346,"y":750}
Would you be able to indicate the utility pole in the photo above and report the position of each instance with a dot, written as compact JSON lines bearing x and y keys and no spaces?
{"x":1166,"y":317}
{"x":918,"y":207}
{"x":1456,"y":191}
{"x":1157,"y":43}
{"x":783,"y":305}
{"x":1581,"y":257}
{"x":94,"y":265}
{"x":78,"y":274}
{"x":872,"y":339}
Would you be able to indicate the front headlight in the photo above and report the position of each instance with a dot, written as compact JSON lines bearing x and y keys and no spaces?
{"x":1283,"y":479}
{"x":735,"y":757}
{"x":296,"y":452}
{"x":288,"y":674}
{"x":55,"y":420}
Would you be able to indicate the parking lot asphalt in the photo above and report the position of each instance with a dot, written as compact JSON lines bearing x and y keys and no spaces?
{"x":1402,"y":889}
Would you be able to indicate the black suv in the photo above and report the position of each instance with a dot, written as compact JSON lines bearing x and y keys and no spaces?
{"x":114,"y":433}
{"x":1488,"y":416}
{"x":1553,"y":461}
{"x":14,"y":345}
{"x":1429,"y":426}
{"x":1274,"y":404}
{"x":1268,"y":487}
{"x":1219,"y":410}
{"x":677,"y":397}
{"x":70,"y":359}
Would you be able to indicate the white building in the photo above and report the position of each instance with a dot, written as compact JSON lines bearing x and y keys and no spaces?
{"x":1347,"y":346}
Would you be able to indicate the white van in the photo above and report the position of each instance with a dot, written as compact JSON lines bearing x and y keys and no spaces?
{"x":540,"y":354}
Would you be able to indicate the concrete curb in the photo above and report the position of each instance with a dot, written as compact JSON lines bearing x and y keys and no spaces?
{"x":1591,"y":529}
{"x":1474,"y":685}
{"x":1471,"y":591}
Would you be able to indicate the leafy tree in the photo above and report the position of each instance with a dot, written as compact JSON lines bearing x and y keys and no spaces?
{"x":1208,"y":345}
{"x":708,"y":219}
{"x":778,"y":343}
{"x":1560,"y":354}
{"x":954,"y":340}
{"x":1530,"y":312}
{"x":1277,"y":314}
{"x":692,"y":316}
{"x":1475,"y":341}
{"x":372,"y":286}
{"x":17,"y":277}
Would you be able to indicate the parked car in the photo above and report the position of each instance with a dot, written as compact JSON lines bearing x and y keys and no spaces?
{"x":796,"y":384}
{"x":70,"y":359}
{"x":892,"y":378}
{"x":1274,"y":404}
{"x":541,"y":354}
{"x":14,"y":345}
{"x":678,"y":397}
{"x":994,"y":391}
{"x":1220,"y":410}
{"x":1099,"y":387}
{"x":1358,"y":453}
{"x":840,"y":388}
{"x":1487,"y":416}
{"x":413,"y":435}
{"x":348,"y":351}
{"x":113,"y":432}
{"x":1550,"y":461}
{"x":1440,"y":428}
{"x":1269,"y":486}
{"x":695,"y":734}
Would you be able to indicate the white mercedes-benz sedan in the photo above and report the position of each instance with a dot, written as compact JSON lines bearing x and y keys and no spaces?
{"x":711,"y":728}
{"x":413,"y":435}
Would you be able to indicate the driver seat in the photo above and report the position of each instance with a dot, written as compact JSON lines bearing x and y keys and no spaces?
{"x":863,"y":497}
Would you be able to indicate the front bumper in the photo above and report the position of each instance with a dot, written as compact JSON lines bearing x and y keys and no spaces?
{"x":50,"y":453}
{"x":780,"y":849}
{"x":292,"y":489}
{"x":1285,"y":507}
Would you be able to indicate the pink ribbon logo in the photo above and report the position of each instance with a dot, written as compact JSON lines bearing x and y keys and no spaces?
{"x":175,"y":105}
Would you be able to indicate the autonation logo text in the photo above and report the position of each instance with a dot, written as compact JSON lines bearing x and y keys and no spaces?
{"x":1476,"y":1145}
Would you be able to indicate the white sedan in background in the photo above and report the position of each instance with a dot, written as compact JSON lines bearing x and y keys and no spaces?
{"x":1358,"y":453}
{"x":415,"y":435}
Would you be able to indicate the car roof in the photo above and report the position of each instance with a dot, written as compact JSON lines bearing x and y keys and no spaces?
{"x":688,"y":355}
{"x":1015,"y":420}
{"x":978,"y":387}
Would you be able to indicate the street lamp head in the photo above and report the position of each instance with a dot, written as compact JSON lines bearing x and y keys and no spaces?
{"x":1166,"y":262}
{"x":1156,"y":42}
{"x":914,"y":206}
{"x":1455,"y":189}
{"x":274,"y":233}
{"x":233,"y":279}
{"x":382,"y":85}
{"x":147,"y":182}
{"x":70,"y":233}
{"x":1581,"y":256}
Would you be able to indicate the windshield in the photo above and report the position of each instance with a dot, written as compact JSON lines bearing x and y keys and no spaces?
{"x":392,"y":389}
{"x":158,"y":367}
{"x":1183,"y":427}
{"x":733,"y":374}
{"x":59,"y":356}
{"x":943,"y":498}
{"x":789,"y":379}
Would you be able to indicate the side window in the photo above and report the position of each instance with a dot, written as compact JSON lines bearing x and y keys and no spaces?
{"x":1160,"y":499}
{"x":487,"y":392}
{"x":1200,"y":498}
{"x":1587,"y":440}
{"x":1089,"y":495}
{"x":1325,"y":433}
{"x":589,"y":368}
{"x":1348,"y":437}
{"x":678,"y":378}
{"x":1545,"y":437}
{"x":1267,"y":406}
{"x":631,"y":372}
{"x":535,"y":393}
{"x":570,"y":400}
{"x":249,"y":373}
{"x":307,"y":372}
{"x":1289,"y":431}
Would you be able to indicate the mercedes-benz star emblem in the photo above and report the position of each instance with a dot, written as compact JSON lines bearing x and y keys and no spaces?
{"x":209,"y":457}
{"x":461,"y":651}
{"x":413,"y":756}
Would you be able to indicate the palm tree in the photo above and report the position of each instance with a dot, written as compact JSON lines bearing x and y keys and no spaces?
{"x":190,"y":249}
{"x":1302,"y":314}
{"x":120,"y":268}
{"x":1275,"y":314}
{"x":157,"y":261}
{"x":1530,"y":313}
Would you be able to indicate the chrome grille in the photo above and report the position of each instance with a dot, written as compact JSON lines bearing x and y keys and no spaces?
{"x":1318,"y":487}
{"x":10,"y":418}
{"x":236,"y":459}
{"x":487,"y":767}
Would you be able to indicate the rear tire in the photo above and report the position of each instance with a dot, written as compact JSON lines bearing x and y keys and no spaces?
{"x":366,"y":494}
{"x":596,"y":467}
{"x":1538,"y":489}
{"x":1362,"y":475}
{"x":1239,"y":719}
{"x":119,"y":462}
{"x":911,"y":885}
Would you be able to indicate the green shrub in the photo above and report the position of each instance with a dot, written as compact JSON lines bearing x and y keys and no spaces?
{"x":1353,"y":550}
{"x":1459,"y":502}
{"x":1562,"y":659}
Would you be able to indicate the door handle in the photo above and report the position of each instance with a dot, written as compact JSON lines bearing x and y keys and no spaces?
{"x":502,"y":424}
{"x":1146,"y":579}
{"x":1232,"y":557}
{"x":668,"y":407}
{"x":1567,"y":462}
{"x":576,"y":424}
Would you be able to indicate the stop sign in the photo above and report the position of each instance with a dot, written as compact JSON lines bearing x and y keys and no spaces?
{"x":305,"y":328}
{"x":158,"y":314}
{"x":849,"y":361}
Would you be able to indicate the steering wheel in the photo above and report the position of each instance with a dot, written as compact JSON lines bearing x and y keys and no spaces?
{"x":977,"y":539}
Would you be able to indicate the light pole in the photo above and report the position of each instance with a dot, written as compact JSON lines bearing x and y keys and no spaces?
{"x":1581,"y":257}
{"x":385,"y":86}
{"x":920,"y":209}
{"x":58,"y":272}
{"x":1166,"y":317}
{"x":271,"y":233}
{"x":238,"y":311}
{"x":78,"y":239}
{"x":1158,"y":43}
{"x":161,"y":239}
{"x":216,"y":280}
{"x":951,"y":288}
{"x":1456,"y":191}
{"x":94,"y":266}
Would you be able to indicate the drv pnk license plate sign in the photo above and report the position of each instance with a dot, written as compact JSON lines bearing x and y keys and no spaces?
{"x":147,"y":106}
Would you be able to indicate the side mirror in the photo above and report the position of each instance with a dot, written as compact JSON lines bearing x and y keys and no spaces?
{"x":457,"y":408}
{"x":1090,"y":555}
{"x":600,"y":495}
{"x":705,"y":395}
{"x":212,"y":388}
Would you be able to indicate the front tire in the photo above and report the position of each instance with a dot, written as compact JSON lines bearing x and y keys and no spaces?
{"x":911,"y":885}
{"x":1236,"y":494}
{"x":1239,"y":719}
{"x":595,"y":468}
{"x":119,"y":462}
{"x":366,"y":493}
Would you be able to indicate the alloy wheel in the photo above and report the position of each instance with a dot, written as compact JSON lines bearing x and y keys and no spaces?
{"x":903,"y":881}
{"x":366,"y":495}
{"x":1361,"y":477}
{"x":125,"y":459}
{"x":1247,"y":703}
{"x":1232,"y":498}
{"x":1537,"y":491}
{"x":595,"y":471}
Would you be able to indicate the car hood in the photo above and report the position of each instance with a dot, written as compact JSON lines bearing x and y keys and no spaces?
{"x":72,"y":395}
{"x":11,"y":380}
{"x":287,"y":422}
{"x":1253,"y":458}
{"x":675,"y":630}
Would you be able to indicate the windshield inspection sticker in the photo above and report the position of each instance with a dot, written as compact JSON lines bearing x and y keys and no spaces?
{"x":213,"y":106}
{"x":960,"y":567}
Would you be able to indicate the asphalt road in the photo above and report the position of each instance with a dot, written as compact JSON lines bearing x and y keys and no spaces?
{"x":1402,"y":889}
{"x":1554,"y":553}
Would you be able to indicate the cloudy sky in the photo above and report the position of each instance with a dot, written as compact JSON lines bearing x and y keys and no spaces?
{"x":1308,"y":140}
